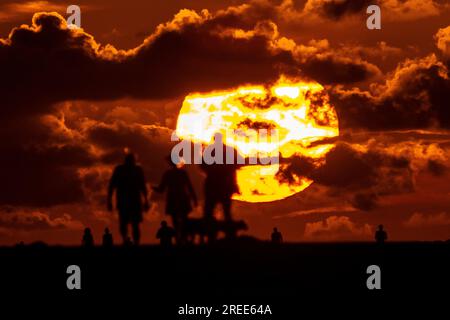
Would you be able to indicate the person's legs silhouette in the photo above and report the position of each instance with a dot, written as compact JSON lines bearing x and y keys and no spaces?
{"x":123,"y":228}
{"x":208,"y":210}
{"x":210,"y":204}
{"x":226,"y":205}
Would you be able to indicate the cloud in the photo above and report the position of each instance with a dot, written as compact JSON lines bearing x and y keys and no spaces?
{"x":365,"y":171}
{"x":15,"y":10}
{"x":328,"y":65}
{"x":436,"y":167}
{"x":392,"y":10}
{"x":192,"y":52}
{"x":110,"y":137}
{"x":336,"y":228}
{"x":344,"y":167}
{"x":316,"y":211}
{"x":69,"y":159}
{"x":210,"y":59}
{"x":365,"y":201}
{"x":419,"y":220}
{"x":414,"y":96}
{"x":443,"y":40}
{"x":400,"y":10}
{"x":316,"y":11}
{"x":36,"y":220}
{"x":336,"y":9}
{"x":44,"y":176}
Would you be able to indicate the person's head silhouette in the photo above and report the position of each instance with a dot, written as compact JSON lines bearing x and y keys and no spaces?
{"x":87,"y":231}
{"x":380,"y":227}
{"x":164,"y":223}
{"x":130,"y":159}
{"x":106,"y":230}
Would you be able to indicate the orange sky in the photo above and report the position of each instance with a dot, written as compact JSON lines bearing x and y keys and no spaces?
{"x":62,"y":138}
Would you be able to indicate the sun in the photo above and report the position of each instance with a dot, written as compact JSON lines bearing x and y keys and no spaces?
{"x":297,"y":113}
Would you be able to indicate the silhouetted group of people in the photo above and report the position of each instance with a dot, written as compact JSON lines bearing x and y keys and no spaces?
{"x":166,"y":234}
{"x":88,"y":239}
{"x":128,"y":183}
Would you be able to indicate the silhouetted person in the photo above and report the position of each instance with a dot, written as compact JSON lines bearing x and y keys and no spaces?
{"x":88,"y":239}
{"x":180,"y":195}
{"x":380,"y":235}
{"x":220,"y":182}
{"x":131,"y":196}
{"x":276,"y":236}
{"x":165,"y":234}
{"x":107,"y":239}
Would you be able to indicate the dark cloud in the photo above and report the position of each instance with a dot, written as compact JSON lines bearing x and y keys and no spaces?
{"x":335,"y":9}
{"x":151,"y":144}
{"x":334,"y":69}
{"x":414,"y":96}
{"x":42,"y":176}
{"x":392,"y":10}
{"x":344,"y":167}
{"x":443,"y":41}
{"x":362,"y":175}
{"x":52,"y":63}
{"x":436,"y":167}
{"x":421,"y":220}
{"x":365,"y":201}
{"x":333,"y":65}
{"x":337,"y":228}
{"x":191,"y":53}
{"x":255,"y":125}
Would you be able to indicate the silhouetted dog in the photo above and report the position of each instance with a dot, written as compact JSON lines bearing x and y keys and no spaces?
{"x":210,"y":229}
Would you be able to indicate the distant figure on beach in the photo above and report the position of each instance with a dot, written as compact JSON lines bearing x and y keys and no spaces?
{"x":165,"y":234}
{"x":221,"y":181}
{"x":380,"y":235}
{"x":276,"y":236}
{"x":88,"y":239}
{"x":128,"y":182}
{"x":21,"y":244}
{"x":179,"y":199}
{"x":107,"y":239}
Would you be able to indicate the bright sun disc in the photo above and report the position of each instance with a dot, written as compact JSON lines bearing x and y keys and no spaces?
{"x":299,"y":112}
